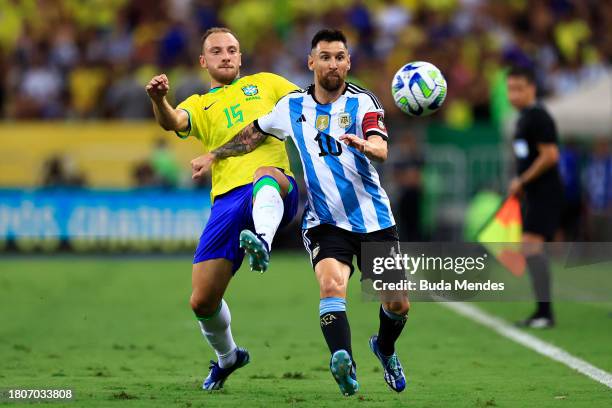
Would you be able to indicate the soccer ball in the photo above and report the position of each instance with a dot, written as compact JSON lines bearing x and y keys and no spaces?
{"x":419,"y":88}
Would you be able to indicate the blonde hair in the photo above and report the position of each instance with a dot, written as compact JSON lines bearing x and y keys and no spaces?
{"x":214,"y":30}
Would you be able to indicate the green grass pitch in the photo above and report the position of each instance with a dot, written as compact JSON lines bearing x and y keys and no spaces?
{"x":120,"y":333}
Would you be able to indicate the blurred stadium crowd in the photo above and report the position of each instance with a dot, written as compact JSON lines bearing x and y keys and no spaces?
{"x":90,"y":59}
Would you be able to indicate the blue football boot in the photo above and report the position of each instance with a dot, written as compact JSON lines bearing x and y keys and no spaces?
{"x":394,"y":374}
{"x":217,"y":375}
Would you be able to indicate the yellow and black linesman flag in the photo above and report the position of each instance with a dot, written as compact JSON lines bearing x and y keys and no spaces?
{"x":501,"y":236}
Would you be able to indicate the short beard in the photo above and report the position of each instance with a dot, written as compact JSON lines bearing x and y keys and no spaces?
{"x":331,"y":84}
{"x":224,"y":78}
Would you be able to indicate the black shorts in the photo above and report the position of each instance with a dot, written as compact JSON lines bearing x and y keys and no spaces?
{"x":329,"y":241}
{"x":542,"y":213}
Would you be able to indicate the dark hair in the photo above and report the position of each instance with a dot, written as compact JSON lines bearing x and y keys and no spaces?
{"x":523,"y":72}
{"x":214,"y":30}
{"x":328,"y":35}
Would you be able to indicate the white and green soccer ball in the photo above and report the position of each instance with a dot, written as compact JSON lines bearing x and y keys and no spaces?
{"x":419,"y":88}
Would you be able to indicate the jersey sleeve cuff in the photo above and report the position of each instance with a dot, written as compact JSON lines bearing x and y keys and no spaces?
{"x":260,"y":130}
{"x":184,"y":134}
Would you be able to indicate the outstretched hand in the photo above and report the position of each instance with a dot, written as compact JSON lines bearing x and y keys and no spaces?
{"x":354,"y":141}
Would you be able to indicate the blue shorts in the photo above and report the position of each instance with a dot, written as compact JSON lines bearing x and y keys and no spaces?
{"x":231,"y":213}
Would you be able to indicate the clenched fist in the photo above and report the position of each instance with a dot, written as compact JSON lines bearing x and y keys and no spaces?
{"x":158,"y":87}
{"x":201,"y":165}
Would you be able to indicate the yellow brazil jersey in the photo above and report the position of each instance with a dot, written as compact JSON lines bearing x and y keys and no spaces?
{"x":216,"y":117}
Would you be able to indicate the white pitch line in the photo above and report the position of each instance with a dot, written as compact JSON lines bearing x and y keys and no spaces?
{"x":531,"y":342}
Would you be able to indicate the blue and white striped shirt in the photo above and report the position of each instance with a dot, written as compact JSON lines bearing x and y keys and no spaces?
{"x":343,"y":187}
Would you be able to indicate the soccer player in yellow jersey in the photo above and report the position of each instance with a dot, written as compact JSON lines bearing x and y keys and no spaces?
{"x":252,"y":194}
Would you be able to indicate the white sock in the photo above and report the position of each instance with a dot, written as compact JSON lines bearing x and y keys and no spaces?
{"x":268,"y":209}
{"x":218,"y":332}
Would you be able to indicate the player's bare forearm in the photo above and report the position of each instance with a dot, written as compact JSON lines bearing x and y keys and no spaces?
{"x":244,"y":142}
{"x":168,"y":117}
{"x":548,"y":157}
{"x":376,"y":149}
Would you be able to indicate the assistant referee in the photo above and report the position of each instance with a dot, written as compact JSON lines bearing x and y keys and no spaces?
{"x":538,"y":185}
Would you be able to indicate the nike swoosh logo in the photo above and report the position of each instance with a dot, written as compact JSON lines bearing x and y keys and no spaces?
{"x":206,"y":107}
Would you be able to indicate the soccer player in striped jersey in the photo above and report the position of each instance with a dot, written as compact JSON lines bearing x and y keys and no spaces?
{"x":339,"y":130}
{"x":251,"y":192}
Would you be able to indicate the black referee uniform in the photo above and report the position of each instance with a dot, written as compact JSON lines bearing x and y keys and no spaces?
{"x":542,"y":202}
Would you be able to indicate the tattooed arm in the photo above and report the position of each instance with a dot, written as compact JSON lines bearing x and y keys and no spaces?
{"x":244,"y":142}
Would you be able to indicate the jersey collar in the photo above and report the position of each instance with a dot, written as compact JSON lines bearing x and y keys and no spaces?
{"x":310,"y":91}
{"x":216,"y":88}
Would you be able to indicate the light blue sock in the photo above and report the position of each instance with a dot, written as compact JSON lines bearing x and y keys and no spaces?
{"x":331,"y":304}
